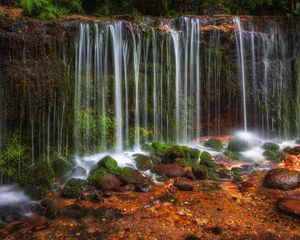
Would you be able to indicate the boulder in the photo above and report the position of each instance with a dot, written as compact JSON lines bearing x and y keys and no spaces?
{"x":169,"y":170}
{"x":215,"y":144}
{"x":238,"y":145}
{"x":271,"y":146}
{"x":101,"y":179}
{"x":281,"y":178}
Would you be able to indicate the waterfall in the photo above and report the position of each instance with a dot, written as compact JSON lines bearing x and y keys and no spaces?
{"x":241,"y":57}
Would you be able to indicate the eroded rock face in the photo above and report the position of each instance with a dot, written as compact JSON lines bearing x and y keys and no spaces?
{"x":290,"y":206}
{"x":170,"y":170}
{"x":281,"y":178}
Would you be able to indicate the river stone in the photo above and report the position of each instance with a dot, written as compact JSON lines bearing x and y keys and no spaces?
{"x":281,"y":178}
{"x":289,"y":205}
{"x":184,"y":184}
{"x":170,"y":170}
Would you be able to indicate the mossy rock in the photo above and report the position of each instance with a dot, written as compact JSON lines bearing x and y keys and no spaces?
{"x":109,"y":164}
{"x":287,"y":149}
{"x":51,"y":211}
{"x":273,"y":156}
{"x":37,"y":180}
{"x":200,"y":172}
{"x":143,"y":162}
{"x":215,"y":144}
{"x":195,"y":153}
{"x":206,"y":159}
{"x":213,"y":174}
{"x":232,"y":155}
{"x":73,"y":188}
{"x":131,"y":176}
{"x":183,"y":162}
{"x":270,"y":146}
{"x":238,"y":145}
{"x":148,"y":148}
{"x":160,"y":149}
{"x":101,"y":179}
{"x":60,"y":166}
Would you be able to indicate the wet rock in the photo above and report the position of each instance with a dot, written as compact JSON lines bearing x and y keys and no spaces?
{"x":143,"y":188}
{"x":38,"y":209}
{"x":297,"y":141}
{"x":290,"y":206}
{"x":184,"y":184}
{"x":281,"y":178}
{"x":79,"y":171}
{"x":242,"y":170}
{"x":143,"y":162}
{"x":238,"y":145}
{"x":108,"y":163}
{"x":132,"y":176}
{"x":8,"y":214}
{"x":109,"y":182}
{"x":95,"y":197}
{"x":200,"y":172}
{"x":51,"y":210}
{"x":225,"y":175}
{"x":215,"y":144}
{"x":271,"y":146}
{"x":170,"y":170}
{"x":37,"y":223}
{"x":101,"y":179}
{"x":295,"y":150}
{"x":73,"y":188}
{"x":175,"y":152}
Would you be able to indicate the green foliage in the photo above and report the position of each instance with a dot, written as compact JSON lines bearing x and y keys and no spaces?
{"x":2,"y":14}
{"x":271,"y":146}
{"x":14,"y":158}
{"x":215,"y":144}
{"x":43,"y":9}
{"x":273,"y":155}
{"x":238,"y":145}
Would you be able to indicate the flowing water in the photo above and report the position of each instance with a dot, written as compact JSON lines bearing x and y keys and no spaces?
{"x":124,"y":84}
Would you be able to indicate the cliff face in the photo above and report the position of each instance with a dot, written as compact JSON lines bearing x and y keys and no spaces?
{"x":58,"y":89}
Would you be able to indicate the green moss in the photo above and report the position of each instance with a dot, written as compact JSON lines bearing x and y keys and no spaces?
{"x":287,"y":149}
{"x":95,"y":175}
{"x":232,"y":155}
{"x":37,"y":180}
{"x":273,"y":156}
{"x":143,"y":162}
{"x":238,"y":145}
{"x":200,"y":172}
{"x":271,"y":146}
{"x":59,"y":166}
{"x":206,"y":159}
{"x":195,"y":153}
{"x":160,"y":149}
{"x":215,"y":144}
{"x":109,"y":164}
{"x":148,"y":147}
{"x":213,"y":174}
{"x":73,"y":188}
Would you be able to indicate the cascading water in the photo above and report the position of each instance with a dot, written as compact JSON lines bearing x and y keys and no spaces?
{"x":241,"y":58}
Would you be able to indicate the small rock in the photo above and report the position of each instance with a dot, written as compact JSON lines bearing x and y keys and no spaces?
{"x":170,"y":170}
{"x":184,"y":184}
